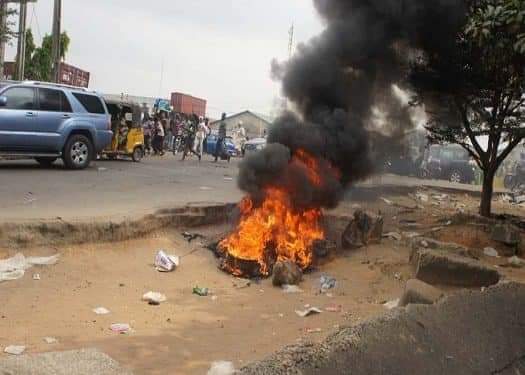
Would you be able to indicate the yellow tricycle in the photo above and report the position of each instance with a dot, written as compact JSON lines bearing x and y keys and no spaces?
{"x":128,"y":136}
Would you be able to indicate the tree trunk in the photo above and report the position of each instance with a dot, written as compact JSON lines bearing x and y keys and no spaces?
{"x":486,"y":193}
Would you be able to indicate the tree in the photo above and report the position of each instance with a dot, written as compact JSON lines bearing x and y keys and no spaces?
{"x":6,"y":31}
{"x":473,"y":88}
{"x":39,"y":60}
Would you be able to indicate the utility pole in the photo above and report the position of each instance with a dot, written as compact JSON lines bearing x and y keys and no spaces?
{"x":3,"y":26}
{"x":291,"y":41}
{"x":21,"y":50}
{"x":57,"y":26}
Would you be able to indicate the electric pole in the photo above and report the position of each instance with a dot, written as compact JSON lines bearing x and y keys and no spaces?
{"x":21,"y":50}
{"x":57,"y":25}
{"x":3,"y":27}
{"x":291,"y":41}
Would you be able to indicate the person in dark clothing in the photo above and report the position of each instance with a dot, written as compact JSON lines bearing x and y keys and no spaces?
{"x":219,"y":147}
{"x":189,"y":131}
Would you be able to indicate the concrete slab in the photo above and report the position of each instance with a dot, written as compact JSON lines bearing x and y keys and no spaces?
{"x":466,"y":333}
{"x":78,"y":362}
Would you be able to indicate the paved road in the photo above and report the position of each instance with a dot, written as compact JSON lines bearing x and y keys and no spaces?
{"x":119,"y":189}
{"x":111,"y":189}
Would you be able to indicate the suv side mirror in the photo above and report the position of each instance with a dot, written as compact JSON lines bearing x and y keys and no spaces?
{"x":3,"y":101}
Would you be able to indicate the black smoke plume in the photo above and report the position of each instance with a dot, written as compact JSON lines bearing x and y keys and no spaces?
{"x":335,"y":82}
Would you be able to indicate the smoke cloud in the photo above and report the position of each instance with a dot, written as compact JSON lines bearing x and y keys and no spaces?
{"x":338,"y":81}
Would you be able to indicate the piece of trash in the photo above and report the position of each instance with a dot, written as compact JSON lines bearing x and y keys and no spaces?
{"x":50,"y":340}
{"x":191,"y":236}
{"x":308,"y":312}
{"x":329,"y":295}
{"x":228,"y":178}
{"x":391,"y":304}
{"x":205,"y":188}
{"x":440,"y":197}
{"x":491,"y":252}
{"x":221,"y":368}
{"x":29,"y":198}
{"x":327,"y":282}
{"x":410,"y":235}
{"x":101,"y":311}
{"x":397,"y":276}
{"x":165,"y":262}
{"x":101,"y":169}
{"x":203,"y":292}
{"x":291,"y":288}
{"x":334,"y":308}
{"x":36,"y":276}
{"x":516,"y":262}
{"x":314,"y":330}
{"x":14,"y":268}
{"x":387,"y":201}
{"x":154,"y":298}
{"x":241,"y":283}
{"x":395,"y":235}
{"x":15,"y":349}
{"x":120,"y":327}
{"x":422,"y":197}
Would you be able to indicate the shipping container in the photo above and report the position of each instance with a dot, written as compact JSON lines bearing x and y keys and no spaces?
{"x":71,"y":75}
{"x":188,"y":104}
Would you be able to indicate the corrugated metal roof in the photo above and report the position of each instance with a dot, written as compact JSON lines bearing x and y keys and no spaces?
{"x":266,"y":118}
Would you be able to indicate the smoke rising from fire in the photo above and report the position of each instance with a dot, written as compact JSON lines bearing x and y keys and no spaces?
{"x":337,"y":81}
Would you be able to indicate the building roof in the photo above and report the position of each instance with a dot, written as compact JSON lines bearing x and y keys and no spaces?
{"x":268,"y":119}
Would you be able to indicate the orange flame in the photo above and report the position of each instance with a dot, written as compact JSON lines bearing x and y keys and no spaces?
{"x":275,"y":224}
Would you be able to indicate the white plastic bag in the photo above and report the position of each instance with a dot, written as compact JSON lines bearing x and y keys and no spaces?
{"x":221,"y":368}
{"x":14,"y":268}
{"x":165,"y":262}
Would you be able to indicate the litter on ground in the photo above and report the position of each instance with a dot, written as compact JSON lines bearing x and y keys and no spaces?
{"x":14,"y":268}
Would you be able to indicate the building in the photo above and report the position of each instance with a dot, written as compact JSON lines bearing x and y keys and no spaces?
{"x":256,"y":124}
{"x":69,"y":74}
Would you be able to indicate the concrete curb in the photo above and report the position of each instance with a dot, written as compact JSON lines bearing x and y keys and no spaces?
{"x":466,"y":333}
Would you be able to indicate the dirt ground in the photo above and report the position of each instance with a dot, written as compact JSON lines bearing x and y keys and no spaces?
{"x":240,"y":324}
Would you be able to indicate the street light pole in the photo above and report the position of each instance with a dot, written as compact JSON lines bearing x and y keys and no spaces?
{"x":57,"y":21}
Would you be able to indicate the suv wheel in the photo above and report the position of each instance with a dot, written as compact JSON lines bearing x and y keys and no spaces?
{"x":45,"y":162}
{"x":78,"y":152}
{"x":456,"y":177}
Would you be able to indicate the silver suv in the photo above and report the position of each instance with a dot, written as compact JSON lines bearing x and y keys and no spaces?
{"x":47,"y":121}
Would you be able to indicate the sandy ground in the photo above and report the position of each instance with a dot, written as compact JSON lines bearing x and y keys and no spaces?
{"x":187,"y":332}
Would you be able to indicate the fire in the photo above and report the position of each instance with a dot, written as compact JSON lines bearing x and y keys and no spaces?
{"x":276,"y":226}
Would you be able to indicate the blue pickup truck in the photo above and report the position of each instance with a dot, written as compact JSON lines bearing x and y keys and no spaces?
{"x":47,"y":121}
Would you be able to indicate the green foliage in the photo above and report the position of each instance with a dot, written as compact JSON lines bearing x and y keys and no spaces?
{"x":39,"y":60}
{"x":7,"y":32}
{"x":475,"y":87}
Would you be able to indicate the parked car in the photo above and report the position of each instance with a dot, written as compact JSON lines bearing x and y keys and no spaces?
{"x":449,"y":162}
{"x":47,"y":121}
{"x":211,"y":144}
{"x":254,"y":145}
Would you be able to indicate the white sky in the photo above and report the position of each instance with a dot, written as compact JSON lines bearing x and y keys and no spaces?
{"x":219,"y":50}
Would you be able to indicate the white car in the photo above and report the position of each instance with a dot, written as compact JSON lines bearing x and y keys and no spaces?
{"x":254,"y":145}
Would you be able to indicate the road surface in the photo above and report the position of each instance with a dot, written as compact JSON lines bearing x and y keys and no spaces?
{"x":111,"y":189}
{"x":115,"y":190}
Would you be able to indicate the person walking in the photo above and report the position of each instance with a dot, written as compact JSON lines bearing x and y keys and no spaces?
{"x":189,"y":131}
{"x":241,"y":137}
{"x":202,"y":132}
{"x":147,"y":129}
{"x":221,"y":137}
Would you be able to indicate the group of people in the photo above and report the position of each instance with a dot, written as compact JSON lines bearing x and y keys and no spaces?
{"x":180,"y":133}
